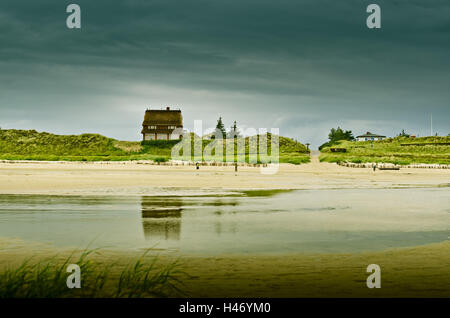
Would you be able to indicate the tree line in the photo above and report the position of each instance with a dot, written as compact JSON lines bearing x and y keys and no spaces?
{"x":337,"y":134}
{"x":221,"y":131}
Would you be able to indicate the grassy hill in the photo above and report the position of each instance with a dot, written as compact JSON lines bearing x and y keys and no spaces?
{"x":398,"y":150}
{"x":33,"y":145}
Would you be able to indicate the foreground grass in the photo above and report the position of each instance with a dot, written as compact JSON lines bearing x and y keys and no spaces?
{"x":47,"y":279}
{"x":42,"y":146}
{"x":417,"y":271}
{"x":399,"y":150}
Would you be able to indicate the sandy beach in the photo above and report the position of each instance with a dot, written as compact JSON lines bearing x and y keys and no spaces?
{"x":421,"y":271}
{"x":137,"y":179}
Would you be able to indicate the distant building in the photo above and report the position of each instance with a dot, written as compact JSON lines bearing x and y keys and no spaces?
{"x":162,"y":124}
{"x":368,"y":136}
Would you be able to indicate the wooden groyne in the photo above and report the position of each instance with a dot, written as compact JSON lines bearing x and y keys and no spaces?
{"x":391,"y":166}
{"x":142,"y":162}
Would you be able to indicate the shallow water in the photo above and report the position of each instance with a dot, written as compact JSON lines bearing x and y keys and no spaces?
{"x":318,"y":221}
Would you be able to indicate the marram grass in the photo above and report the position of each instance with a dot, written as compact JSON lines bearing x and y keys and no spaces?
{"x":47,"y":279}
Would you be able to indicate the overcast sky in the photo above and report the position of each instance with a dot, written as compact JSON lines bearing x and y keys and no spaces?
{"x":302,"y":66}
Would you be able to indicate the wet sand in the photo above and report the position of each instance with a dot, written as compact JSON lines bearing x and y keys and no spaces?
{"x":137,"y":179}
{"x":414,"y":272}
{"x":422,"y":271}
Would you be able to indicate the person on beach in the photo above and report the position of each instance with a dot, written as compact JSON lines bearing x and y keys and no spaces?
{"x":197,"y":165}
{"x":374,"y":166}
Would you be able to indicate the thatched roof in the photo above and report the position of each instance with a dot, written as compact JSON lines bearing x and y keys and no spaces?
{"x":163,"y":117}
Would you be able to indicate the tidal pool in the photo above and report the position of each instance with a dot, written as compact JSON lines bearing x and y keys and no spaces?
{"x":255,"y":222}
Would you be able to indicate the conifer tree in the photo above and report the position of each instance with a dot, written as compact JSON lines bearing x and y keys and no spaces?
{"x":220,"y":127}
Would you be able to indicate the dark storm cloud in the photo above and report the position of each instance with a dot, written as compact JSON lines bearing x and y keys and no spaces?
{"x":302,"y":65}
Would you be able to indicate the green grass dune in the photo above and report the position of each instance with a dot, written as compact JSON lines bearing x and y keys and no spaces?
{"x":398,"y":150}
{"x":33,"y":145}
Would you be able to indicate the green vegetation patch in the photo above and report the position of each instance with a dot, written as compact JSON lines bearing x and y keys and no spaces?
{"x":42,"y":146}
{"x":428,"y":150}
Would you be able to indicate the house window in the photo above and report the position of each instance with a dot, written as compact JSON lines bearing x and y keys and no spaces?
{"x":151,"y":127}
{"x":172,"y":127}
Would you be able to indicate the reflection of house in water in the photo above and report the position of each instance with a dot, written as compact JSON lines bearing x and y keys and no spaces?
{"x":161,"y":218}
{"x":220,"y":208}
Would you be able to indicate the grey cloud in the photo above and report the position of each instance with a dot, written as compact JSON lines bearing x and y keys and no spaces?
{"x":255,"y":61}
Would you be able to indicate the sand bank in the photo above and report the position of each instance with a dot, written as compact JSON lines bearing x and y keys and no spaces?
{"x":136,"y":179}
{"x":422,"y":271}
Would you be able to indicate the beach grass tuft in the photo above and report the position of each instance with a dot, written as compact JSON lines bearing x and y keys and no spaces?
{"x":47,"y":278}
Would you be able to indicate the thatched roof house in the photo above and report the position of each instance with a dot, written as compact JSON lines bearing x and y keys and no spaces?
{"x":162,"y":124}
